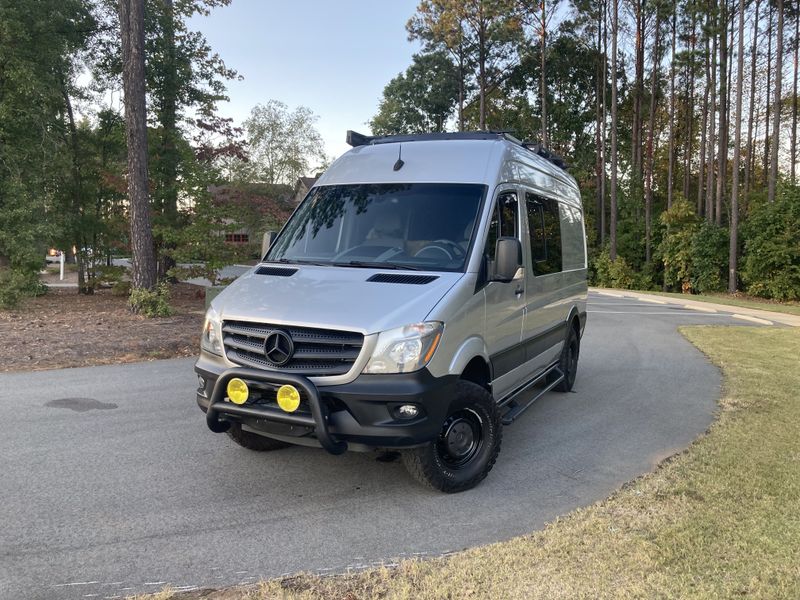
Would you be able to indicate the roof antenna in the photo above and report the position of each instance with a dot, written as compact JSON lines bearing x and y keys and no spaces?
{"x":399,"y":164}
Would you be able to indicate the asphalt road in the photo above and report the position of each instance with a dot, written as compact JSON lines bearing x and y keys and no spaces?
{"x":112,"y":484}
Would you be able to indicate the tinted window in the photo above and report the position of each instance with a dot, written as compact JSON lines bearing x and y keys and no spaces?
{"x":504,"y":222}
{"x":423,"y":226}
{"x":572,"y":229}
{"x":544,"y":226}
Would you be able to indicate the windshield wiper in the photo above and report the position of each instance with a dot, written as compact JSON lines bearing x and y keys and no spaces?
{"x":293,"y":261}
{"x":377,"y":265}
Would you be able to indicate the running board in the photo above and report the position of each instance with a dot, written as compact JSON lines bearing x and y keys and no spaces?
{"x":514,"y":409}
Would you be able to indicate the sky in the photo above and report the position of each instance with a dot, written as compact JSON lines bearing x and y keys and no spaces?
{"x":335,"y":57}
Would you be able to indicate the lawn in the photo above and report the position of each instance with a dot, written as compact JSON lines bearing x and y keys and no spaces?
{"x":720,"y":520}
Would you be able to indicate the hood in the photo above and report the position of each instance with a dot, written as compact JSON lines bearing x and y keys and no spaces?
{"x":332,"y":298}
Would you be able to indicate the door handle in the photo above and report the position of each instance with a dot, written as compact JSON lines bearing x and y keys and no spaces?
{"x":518,"y":291}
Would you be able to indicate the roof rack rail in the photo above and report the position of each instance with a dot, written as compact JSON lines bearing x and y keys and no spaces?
{"x":356,"y":139}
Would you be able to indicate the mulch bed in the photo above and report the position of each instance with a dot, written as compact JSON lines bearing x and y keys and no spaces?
{"x":66,"y":329}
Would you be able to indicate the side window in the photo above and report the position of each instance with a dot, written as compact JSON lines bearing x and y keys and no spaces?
{"x":504,"y":222}
{"x":536,"y":229}
{"x":572,"y":228}
{"x":544,"y":224}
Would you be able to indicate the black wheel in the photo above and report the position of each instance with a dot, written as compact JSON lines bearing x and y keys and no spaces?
{"x":253,"y":441}
{"x":467,"y":445}
{"x":568,"y":363}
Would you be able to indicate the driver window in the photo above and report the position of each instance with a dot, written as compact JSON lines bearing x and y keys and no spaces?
{"x":504,"y":222}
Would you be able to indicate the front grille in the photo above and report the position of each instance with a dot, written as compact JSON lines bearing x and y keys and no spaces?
{"x":317,"y":352}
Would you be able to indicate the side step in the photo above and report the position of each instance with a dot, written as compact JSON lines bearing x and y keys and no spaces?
{"x":515,"y":409}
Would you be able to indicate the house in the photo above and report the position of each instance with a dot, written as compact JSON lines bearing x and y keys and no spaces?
{"x":257,"y":207}
{"x":302,"y":186}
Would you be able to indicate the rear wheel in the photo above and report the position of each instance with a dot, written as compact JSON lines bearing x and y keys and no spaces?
{"x":253,"y":441}
{"x":467,"y":445}
{"x":568,"y":362}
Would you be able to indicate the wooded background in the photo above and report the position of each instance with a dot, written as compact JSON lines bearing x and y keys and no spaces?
{"x":678,"y":119}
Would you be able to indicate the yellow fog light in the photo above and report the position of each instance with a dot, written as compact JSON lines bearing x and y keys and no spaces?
{"x":288,"y":398}
{"x":238,"y":391}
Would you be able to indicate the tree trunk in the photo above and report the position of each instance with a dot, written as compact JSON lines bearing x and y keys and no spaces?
{"x":768,"y":102}
{"x":671,"y":168}
{"x":733,"y":249}
{"x":722,"y":155}
{"x":712,"y":123}
{"x":701,"y":180}
{"x":776,"y":124}
{"x":482,"y":74}
{"x":77,"y":194}
{"x":543,"y":49}
{"x":651,"y":126}
{"x":638,"y":92}
{"x":748,"y":171}
{"x":613,"y":224}
{"x":793,"y":157}
{"x":598,"y":137}
{"x":689,"y":130}
{"x":603,"y":131}
{"x":461,"y":75}
{"x":131,"y":15}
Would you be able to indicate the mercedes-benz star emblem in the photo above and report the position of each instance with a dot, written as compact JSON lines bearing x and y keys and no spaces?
{"x":278,"y":348}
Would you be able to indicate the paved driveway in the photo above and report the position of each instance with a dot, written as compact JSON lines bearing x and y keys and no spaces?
{"x":112,"y":484}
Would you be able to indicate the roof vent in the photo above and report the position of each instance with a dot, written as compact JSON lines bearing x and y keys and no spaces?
{"x":276,"y":271}
{"x":398,"y":278}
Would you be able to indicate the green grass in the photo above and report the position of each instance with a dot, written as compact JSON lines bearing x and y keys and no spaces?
{"x":791,"y":308}
{"x":720,"y":520}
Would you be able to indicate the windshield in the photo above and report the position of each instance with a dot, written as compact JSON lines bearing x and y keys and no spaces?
{"x":424,"y":226}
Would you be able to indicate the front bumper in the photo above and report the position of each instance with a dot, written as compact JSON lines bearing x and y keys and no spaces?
{"x":358,"y":413}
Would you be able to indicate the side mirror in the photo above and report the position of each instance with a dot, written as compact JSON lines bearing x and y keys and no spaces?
{"x":508,"y":259}
{"x":266,"y":242}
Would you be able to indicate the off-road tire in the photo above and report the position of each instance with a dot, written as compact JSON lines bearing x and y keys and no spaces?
{"x":428,"y":464}
{"x":568,"y":361}
{"x":253,"y":441}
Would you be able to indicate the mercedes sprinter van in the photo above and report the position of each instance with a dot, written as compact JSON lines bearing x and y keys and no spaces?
{"x":426,"y":291}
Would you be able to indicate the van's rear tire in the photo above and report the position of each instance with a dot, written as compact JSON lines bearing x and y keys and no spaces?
{"x":568,"y":361}
{"x":253,"y":441}
{"x":466,"y":447}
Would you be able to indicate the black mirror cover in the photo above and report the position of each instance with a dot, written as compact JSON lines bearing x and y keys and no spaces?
{"x":508,"y":259}
{"x":266,"y":242}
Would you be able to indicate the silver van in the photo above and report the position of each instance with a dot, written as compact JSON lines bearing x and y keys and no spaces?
{"x":427,"y":290}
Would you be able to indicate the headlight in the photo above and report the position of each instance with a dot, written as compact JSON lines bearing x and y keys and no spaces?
{"x":211,"y":340}
{"x":405,"y":349}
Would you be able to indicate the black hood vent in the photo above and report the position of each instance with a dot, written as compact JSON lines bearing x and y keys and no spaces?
{"x":398,"y":278}
{"x":276,"y":271}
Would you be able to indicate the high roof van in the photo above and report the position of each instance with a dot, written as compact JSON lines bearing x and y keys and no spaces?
{"x":425,"y":292}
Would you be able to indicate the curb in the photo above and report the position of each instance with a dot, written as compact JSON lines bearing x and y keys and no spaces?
{"x":762,"y":317}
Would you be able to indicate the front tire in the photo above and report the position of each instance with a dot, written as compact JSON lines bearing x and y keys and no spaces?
{"x":467,"y":445}
{"x":253,"y":441}
{"x":568,"y":362}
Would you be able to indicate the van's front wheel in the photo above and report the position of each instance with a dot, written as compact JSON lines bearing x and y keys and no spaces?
{"x":568,"y":362}
{"x":467,"y":445}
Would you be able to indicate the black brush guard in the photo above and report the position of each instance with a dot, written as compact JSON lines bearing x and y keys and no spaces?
{"x":319,"y":411}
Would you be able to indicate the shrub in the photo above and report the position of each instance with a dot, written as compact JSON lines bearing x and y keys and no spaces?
{"x":709,"y":258}
{"x":614,"y":274}
{"x":771,"y":263}
{"x":680,"y":224}
{"x":16,"y":285}
{"x":151,"y":303}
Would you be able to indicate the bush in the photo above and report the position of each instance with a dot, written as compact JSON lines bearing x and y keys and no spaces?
{"x":709,"y":258}
{"x":151,"y":303}
{"x":16,"y":285}
{"x":771,"y":263}
{"x":680,"y":224}
{"x":613,"y":274}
